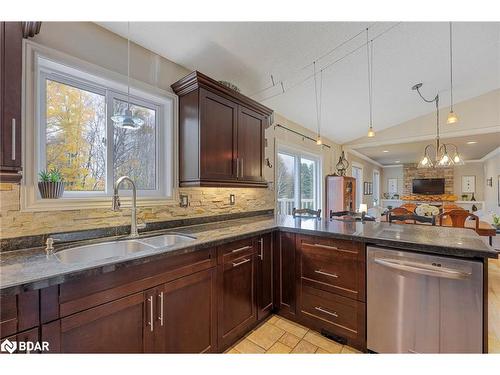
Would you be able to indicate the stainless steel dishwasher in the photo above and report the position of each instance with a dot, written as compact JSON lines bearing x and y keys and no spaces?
{"x":419,"y":303}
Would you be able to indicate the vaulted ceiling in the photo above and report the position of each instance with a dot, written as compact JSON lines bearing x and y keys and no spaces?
{"x":248,"y":53}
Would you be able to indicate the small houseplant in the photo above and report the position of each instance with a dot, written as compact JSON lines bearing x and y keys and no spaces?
{"x":496,"y":221}
{"x":51,"y":185}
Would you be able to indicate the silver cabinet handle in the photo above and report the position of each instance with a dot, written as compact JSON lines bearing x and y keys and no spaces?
{"x":240,"y":263}
{"x":241,"y":249}
{"x":13,"y":139}
{"x":326,"y":311}
{"x":261,"y":255}
{"x":242,"y":171}
{"x":423,"y":269}
{"x":150,"y":299}
{"x":325,"y":246}
{"x":326,"y":273}
{"x":237,"y":167}
{"x":161,"y":308}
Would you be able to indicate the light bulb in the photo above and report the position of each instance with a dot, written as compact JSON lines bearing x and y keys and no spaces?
{"x":318,"y":141}
{"x":452,"y":118}
{"x":371,"y":133}
{"x":457,"y":159}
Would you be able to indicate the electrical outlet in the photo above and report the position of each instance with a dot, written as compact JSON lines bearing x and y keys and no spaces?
{"x":184,"y":200}
{"x":232,"y":199}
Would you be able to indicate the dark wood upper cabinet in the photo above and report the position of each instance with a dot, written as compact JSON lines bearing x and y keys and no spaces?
{"x":11,"y":65}
{"x":221,"y":134}
{"x":11,"y":36}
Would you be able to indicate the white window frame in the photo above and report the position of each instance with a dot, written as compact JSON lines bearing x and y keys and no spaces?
{"x":359,"y":185}
{"x":42,"y":62}
{"x":376,"y":177}
{"x":298,"y":153}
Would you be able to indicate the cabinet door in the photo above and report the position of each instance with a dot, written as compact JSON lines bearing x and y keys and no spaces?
{"x":218,"y":137}
{"x":11,"y":37}
{"x":264,"y":276}
{"x":114,"y":327}
{"x":285,"y":275}
{"x":251,"y":127}
{"x":190,"y":314}
{"x":236,"y":304}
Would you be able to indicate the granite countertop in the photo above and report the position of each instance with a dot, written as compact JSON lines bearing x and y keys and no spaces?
{"x":32,"y":269}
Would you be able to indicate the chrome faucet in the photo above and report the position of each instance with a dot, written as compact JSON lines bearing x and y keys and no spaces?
{"x":116,"y":203}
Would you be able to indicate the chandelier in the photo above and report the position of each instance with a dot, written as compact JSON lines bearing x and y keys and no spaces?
{"x":446,"y":154}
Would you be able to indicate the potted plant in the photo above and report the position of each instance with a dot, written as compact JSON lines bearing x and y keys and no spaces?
{"x":51,"y":185}
{"x":496,"y":221}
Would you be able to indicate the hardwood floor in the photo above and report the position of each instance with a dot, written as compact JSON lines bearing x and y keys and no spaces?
{"x":280,"y":336}
{"x":494,"y":306}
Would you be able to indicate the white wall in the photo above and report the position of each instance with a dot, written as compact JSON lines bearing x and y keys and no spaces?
{"x":492,"y":169}
{"x":392,"y":172}
{"x":368,"y":169}
{"x":92,"y":43}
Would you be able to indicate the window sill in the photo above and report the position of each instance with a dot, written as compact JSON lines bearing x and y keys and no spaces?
{"x":29,"y":203}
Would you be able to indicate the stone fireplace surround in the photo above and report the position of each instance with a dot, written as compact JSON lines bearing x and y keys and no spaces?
{"x":410,"y":171}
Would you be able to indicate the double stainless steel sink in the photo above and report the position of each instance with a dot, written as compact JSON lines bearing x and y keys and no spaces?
{"x":118,"y":249}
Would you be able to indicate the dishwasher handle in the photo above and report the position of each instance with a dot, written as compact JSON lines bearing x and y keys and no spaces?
{"x":423,"y":269}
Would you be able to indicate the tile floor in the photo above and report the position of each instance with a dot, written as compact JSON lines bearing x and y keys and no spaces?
{"x":278,"y":335}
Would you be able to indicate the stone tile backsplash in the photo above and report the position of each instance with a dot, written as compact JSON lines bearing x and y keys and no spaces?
{"x":203,"y":202}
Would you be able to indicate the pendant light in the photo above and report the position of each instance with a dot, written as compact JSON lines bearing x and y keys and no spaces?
{"x":127,"y":120}
{"x":452,"y":117}
{"x":369,"y":61}
{"x":443,"y":158}
{"x":319,"y":142}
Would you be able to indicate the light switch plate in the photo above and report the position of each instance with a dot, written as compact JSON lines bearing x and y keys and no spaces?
{"x":184,"y":200}
{"x":232,"y":199}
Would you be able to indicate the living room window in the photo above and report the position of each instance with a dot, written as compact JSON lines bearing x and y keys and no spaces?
{"x":298,"y":181}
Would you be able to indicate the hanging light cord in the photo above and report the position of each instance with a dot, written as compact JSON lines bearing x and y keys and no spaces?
{"x":451,"y":69}
{"x":128,"y":65}
{"x":329,"y":65}
{"x":318,"y":100}
{"x":369,"y":56}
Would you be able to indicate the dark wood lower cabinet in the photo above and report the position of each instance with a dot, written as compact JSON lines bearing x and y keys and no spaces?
{"x":285,"y":275}
{"x":264,"y":277}
{"x":200,"y":302}
{"x":190,"y":314}
{"x":114,"y":327}
{"x":236,"y":301}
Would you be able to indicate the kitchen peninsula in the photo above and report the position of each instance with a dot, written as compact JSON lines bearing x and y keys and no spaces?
{"x":205,"y":292}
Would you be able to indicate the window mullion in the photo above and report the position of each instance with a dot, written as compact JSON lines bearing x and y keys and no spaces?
{"x":109,"y":144}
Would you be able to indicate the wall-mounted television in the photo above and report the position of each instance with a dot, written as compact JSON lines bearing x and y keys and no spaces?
{"x":428,"y":186}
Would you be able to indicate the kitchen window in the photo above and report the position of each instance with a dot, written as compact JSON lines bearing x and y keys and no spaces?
{"x":74,"y":133}
{"x":298,"y":181}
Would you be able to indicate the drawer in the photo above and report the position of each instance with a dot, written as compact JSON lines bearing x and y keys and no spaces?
{"x":334,"y":314}
{"x":332,"y":244}
{"x":333,"y":268}
{"x":231,"y":251}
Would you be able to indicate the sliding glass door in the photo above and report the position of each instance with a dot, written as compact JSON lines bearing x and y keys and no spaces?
{"x":298,"y":181}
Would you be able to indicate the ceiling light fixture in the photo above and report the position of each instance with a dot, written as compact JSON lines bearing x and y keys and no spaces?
{"x":318,"y":102}
{"x":452,"y":117}
{"x":442,"y":158}
{"x":471,"y":142}
{"x":127,"y":120}
{"x":385,"y":151}
{"x":369,"y":60}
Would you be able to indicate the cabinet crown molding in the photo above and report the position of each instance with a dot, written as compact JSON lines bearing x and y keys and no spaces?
{"x":196,"y":80}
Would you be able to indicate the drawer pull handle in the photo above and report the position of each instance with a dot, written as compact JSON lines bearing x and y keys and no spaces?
{"x":325,"y":246}
{"x":150,"y":323}
{"x":326,"y":274}
{"x":241,"y":249}
{"x":240,"y":263}
{"x":334,"y":314}
{"x":13,"y":148}
{"x":161,"y":308}
{"x":261,"y":255}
